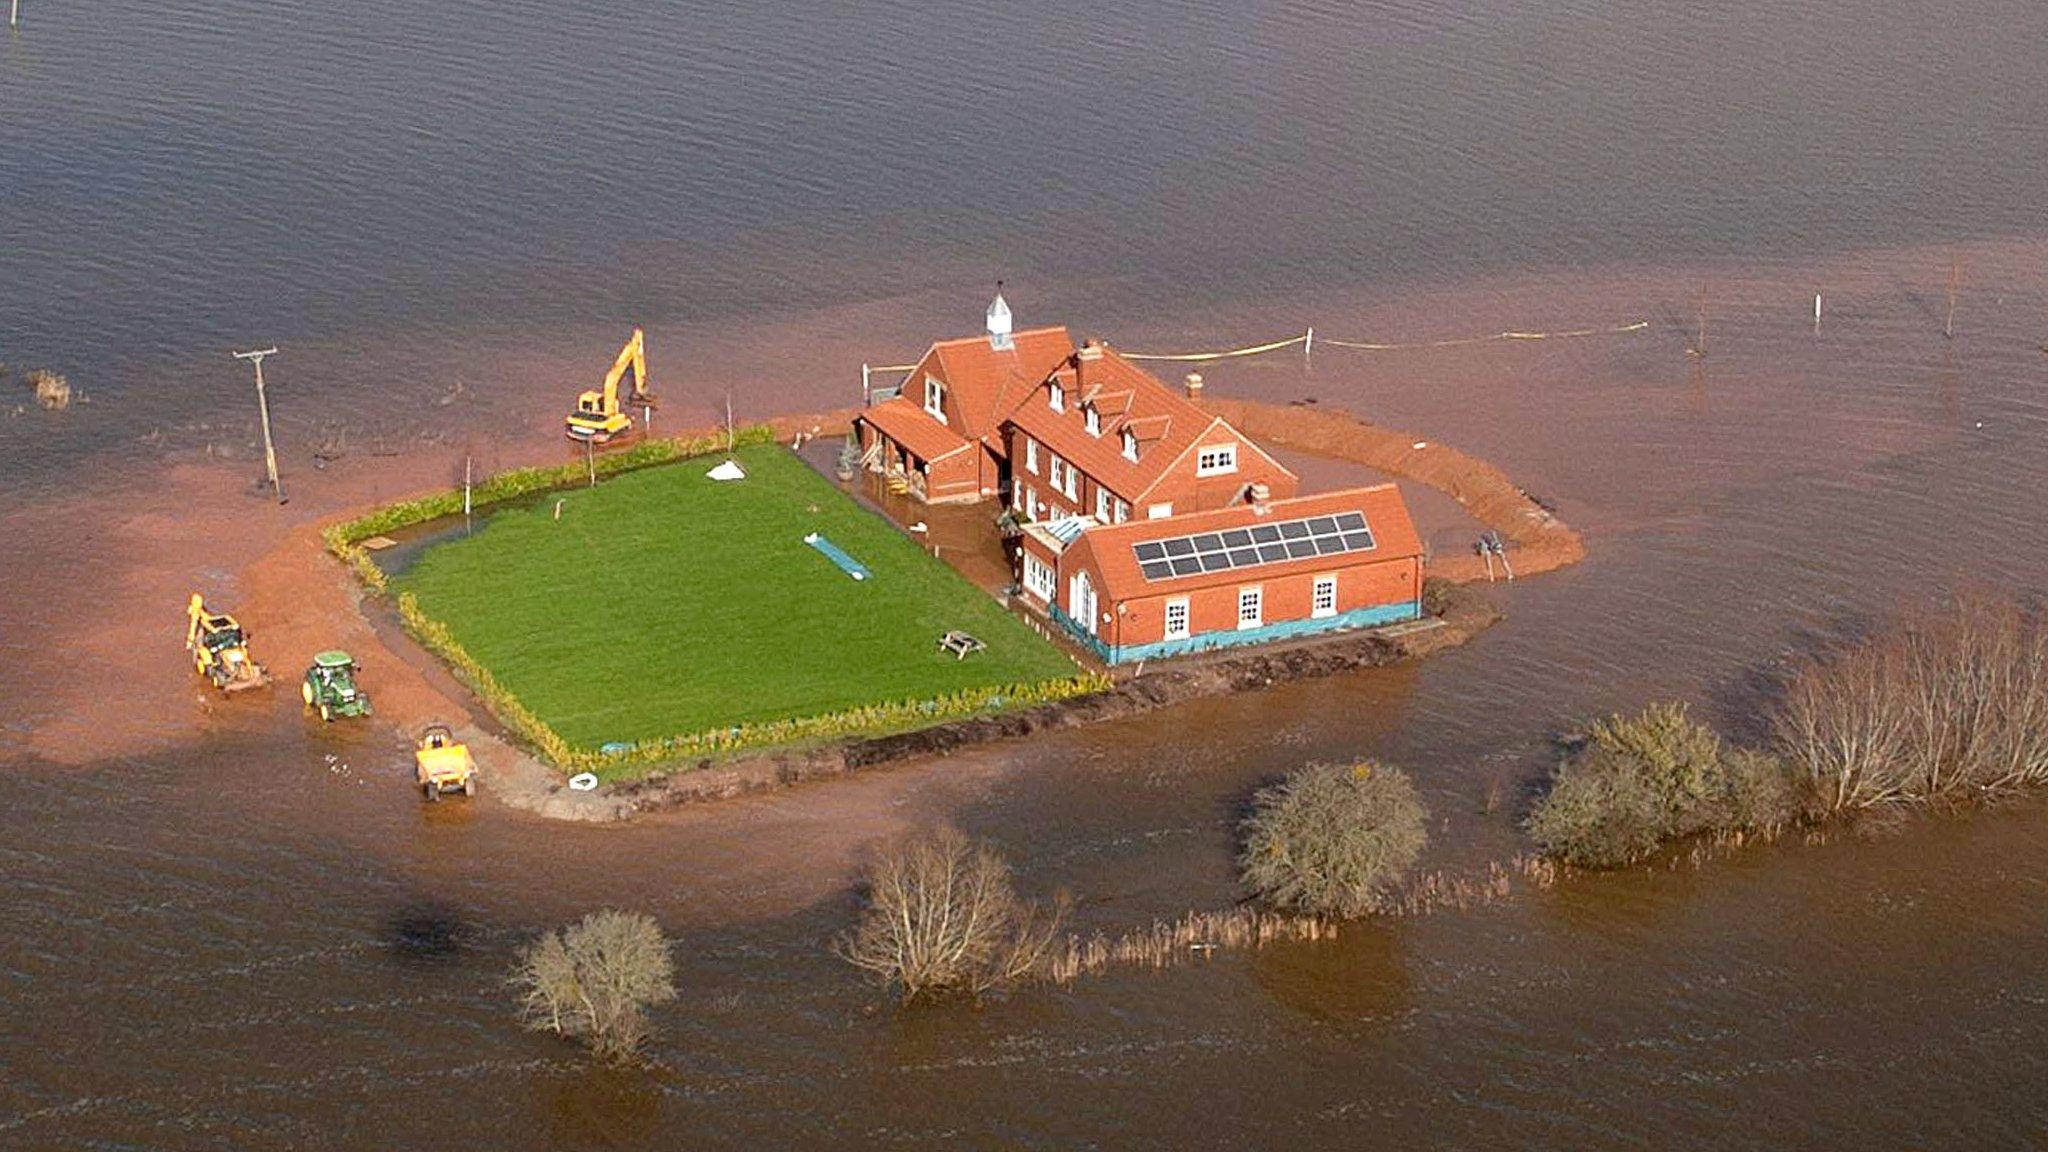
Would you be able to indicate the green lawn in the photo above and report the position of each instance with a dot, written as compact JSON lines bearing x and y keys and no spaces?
{"x":663,"y":603}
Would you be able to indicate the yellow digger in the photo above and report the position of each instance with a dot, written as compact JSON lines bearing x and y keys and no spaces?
{"x":220,"y":649}
{"x":598,"y":418}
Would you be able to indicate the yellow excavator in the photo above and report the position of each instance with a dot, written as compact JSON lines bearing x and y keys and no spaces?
{"x":598,"y":418}
{"x":220,"y":649}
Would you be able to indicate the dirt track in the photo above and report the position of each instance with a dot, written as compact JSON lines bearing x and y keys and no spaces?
{"x":1537,"y":540}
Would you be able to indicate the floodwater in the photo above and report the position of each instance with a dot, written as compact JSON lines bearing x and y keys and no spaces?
{"x":245,"y":932}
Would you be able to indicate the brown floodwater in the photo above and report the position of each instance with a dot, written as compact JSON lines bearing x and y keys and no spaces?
{"x":228,"y":927}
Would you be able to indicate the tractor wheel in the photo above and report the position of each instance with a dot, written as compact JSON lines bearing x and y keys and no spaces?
{"x":306,"y":694}
{"x":326,"y":714}
{"x":469,"y":785}
{"x":433,"y":791}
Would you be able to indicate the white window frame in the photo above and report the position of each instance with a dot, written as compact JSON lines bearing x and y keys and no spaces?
{"x":1159,"y":511}
{"x":935,"y":398}
{"x":1056,"y":396}
{"x":1252,"y":598}
{"x":1092,"y":419}
{"x":1039,"y":578}
{"x":1130,"y":446}
{"x":1181,"y":633}
{"x":1081,"y":601}
{"x":1031,"y":455}
{"x":1123,"y":512}
{"x":1056,"y":471}
{"x":1216,"y":460}
{"x":1073,"y":488}
{"x":1105,"y":504}
{"x":1324,"y":588}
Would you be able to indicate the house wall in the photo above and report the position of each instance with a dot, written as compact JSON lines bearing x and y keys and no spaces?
{"x":1188,"y":491}
{"x":1369,"y":594}
{"x":1180,"y":486}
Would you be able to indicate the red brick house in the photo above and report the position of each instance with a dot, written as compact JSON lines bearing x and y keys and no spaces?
{"x":1101,"y":437}
{"x":1059,"y":429}
{"x":940,"y":430}
{"x":1242,"y":574}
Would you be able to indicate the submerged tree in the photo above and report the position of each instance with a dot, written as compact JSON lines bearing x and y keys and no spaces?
{"x":942,"y":916}
{"x":1333,"y":839}
{"x":594,"y":981}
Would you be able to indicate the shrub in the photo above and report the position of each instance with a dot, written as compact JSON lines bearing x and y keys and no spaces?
{"x":941,"y":915}
{"x":1333,"y":839}
{"x":1632,"y":783}
{"x":52,"y":391}
{"x":594,"y":981}
{"x":1949,"y":706}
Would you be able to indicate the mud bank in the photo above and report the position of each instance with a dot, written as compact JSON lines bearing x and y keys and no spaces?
{"x":1464,"y":613}
{"x":1537,"y":540}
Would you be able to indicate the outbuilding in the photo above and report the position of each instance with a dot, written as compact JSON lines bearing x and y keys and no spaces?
{"x":1245,"y":574}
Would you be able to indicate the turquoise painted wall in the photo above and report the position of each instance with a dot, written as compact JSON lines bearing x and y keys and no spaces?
{"x":1373,"y":617}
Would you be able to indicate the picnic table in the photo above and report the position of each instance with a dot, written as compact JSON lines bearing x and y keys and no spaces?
{"x":960,"y":644}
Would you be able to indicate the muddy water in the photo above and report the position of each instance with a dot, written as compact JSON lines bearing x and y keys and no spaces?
{"x":243,"y":931}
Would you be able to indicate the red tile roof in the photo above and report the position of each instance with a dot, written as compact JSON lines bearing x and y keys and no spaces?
{"x":987,"y":383}
{"x":1110,"y":545}
{"x":913,"y":428}
{"x":1165,"y":423}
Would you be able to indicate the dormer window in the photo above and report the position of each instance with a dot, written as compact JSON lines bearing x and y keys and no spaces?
{"x":935,"y":398}
{"x":1217,"y":460}
{"x":1130,"y":446}
{"x":1092,"y":419}
{"x":1056,"y":396}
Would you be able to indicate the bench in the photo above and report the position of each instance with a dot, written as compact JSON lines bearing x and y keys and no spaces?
{"x":960,"y":644}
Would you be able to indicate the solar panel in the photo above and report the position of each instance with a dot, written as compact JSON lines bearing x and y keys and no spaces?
{"x":1251,"y":547}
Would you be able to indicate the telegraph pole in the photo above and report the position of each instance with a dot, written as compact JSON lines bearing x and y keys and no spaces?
{"x":263,"y":408}
{"x":14,"y":13}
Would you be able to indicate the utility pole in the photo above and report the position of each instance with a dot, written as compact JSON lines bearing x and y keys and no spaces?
{"x":14,"y":13}
{"x":263,"y":409}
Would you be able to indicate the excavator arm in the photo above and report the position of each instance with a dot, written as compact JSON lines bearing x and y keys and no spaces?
{"x":634,"y":356}
{"x":194,"y":614}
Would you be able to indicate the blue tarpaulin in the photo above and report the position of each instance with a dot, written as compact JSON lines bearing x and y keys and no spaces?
{"x":838,"y":556}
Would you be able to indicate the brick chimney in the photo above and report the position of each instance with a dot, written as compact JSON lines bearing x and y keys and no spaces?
{"x":1194,"y":383}
{"x":1089,"y":353}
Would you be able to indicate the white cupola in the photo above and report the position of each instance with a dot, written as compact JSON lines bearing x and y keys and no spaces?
{"x":999,"y":321}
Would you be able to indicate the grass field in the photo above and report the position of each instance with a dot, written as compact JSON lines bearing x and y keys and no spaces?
{"x":663,"y":603}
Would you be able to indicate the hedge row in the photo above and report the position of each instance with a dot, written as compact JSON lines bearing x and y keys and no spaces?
{"x":344,"y":540}
{"x":436,"y":638}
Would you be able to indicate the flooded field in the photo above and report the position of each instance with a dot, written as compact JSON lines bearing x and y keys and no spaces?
{"x":232,"y":927}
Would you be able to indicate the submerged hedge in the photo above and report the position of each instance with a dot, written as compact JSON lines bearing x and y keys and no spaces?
{"x":344,"y":540}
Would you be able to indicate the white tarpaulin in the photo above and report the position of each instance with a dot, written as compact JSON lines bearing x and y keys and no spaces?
{"x":730,"y":470}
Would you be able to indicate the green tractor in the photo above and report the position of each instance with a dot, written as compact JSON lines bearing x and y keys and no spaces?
{"x":330,"y":686}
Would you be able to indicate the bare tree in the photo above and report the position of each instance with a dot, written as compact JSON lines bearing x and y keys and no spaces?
{"x":1948,"y":706}
{"x":594,"y":981}
{"x":942,"y":916}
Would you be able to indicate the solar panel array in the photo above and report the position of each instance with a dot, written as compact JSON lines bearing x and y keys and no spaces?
{"x":1250,"y":547}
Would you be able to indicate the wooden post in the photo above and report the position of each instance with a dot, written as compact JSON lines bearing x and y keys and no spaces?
{"x":1816,"y":313}
{"x":465,"y":496}
{"x":590,"y":461}
{"x":1955,"y":281}
{"x":1308,"y":349}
